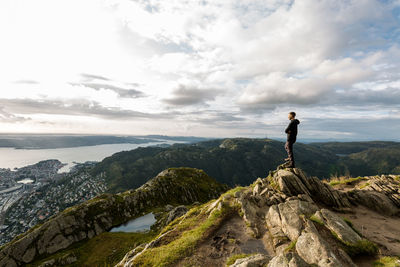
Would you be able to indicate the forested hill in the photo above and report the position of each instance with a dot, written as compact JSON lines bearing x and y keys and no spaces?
{"x":239,"y":161}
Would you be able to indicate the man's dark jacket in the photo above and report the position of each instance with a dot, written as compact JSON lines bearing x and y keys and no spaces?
{"x":291,"y":130}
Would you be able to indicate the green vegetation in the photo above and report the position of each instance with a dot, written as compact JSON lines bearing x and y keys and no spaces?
{"x":291,"y":246}
{"x":106,"y":249}
{"x":362,"y":247}
{"x":345,"y":148}
{"x":239,"y":161}
{"x":271,"y":182}
{"x":387,"y":262}
{"x":316,"y":219}
{"x":231,"y":260}
{"x":190,"y":232}
{"x":364,"y":185}
{"x":350,"y":223}
{"x":372,"y":161}
{"x":346,"y":180}
{"x":232,"y":191}
{"x":234,"y":162}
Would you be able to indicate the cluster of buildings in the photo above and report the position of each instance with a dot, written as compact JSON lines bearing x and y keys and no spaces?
{"x":42,"y":193}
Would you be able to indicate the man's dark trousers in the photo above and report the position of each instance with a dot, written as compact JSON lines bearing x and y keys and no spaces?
{"x":289,"y":150}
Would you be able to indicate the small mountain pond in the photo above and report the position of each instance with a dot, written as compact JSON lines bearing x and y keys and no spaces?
{"x":139,"y":224}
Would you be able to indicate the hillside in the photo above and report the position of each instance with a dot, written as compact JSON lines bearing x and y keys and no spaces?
{"x":92,"y":218}
{"x":286,"y":219}
{"x":365,"y":158}
{"x":346,"y":148}
{"x":235,"y":161}
{"x":372,"y":161}
{"x":239,"y":161}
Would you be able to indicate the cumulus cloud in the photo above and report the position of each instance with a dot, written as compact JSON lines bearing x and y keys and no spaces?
{"x":315,"y":86}
{"x":268,"y":91}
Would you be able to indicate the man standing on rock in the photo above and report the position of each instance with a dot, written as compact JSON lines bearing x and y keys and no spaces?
{"x":291,"y":132}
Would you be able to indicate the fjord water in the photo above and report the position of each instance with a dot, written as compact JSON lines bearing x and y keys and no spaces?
{"x":16,"y":158}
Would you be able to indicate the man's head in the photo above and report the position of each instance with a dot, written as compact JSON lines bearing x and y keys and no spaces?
{"x":291,"y":115}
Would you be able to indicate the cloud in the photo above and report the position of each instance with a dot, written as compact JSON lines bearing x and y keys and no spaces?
{"x":91,"y":77}
{"x":10,"y":118}
{"x":26,"y":82}
{"x":269,"y":91}
{"x":324,"y":84}
{"x":363,"y":97}
{"x":122,"y":92}
{"x":185,"y":95}
{"x":78,"y":107}
{"x":99,"y":82}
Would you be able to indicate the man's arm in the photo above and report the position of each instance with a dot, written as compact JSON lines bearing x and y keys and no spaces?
{"x":288,"y":128}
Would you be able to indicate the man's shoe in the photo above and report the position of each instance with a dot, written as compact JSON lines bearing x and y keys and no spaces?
{"x":289,"y":164}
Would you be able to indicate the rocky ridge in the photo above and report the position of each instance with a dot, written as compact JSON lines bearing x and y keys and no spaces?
{"x":81,"y":222}
{"x":286,"y":219}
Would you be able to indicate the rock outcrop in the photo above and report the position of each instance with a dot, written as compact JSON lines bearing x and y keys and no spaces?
{"x":100,"y":214}
{"x":298,"y":219}
{"x":254,"y":260}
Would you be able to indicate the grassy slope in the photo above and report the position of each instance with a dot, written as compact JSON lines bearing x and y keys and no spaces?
{"x":106,"y":249}
{"x":196,"y":226}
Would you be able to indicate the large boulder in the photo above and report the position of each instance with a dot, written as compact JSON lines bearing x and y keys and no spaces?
{"x":290,"y":212}
{"x":293,"y":182}
{"x":315,"y":250}
{"x":338,"y":226}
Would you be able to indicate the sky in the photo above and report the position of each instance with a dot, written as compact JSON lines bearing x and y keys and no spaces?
{"x":220,"y":68}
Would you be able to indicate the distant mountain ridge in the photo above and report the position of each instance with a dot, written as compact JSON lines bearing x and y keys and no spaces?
{"x":238,"y":161}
